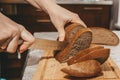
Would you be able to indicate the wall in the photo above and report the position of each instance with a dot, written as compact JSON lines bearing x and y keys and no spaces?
{"x":118,"y":22}
{"x":117,"y":19}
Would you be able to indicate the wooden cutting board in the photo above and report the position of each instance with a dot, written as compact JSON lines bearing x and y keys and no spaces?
{"x":50,"y":69}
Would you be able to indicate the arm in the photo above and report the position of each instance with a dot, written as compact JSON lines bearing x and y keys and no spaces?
{"x":58,"y":15}
{"x":32,"y":2}
{"x":10,"y":32}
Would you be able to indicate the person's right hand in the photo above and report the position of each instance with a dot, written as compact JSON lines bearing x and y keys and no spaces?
{"x":58,"y":15}
{"x":10,"y":33}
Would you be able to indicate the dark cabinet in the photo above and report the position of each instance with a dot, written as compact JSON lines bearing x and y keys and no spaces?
{"x":36,"y":20}
{"x":93,"y":15}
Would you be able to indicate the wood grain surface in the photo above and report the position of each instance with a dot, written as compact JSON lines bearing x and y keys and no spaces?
{"x":50,"y":69}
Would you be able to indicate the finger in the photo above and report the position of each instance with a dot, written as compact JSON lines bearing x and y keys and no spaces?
{"x":12,"y":46}
{"x":61,"y":34}
{"x":5,"y":44}
{"x":28,"y":39}
{"x":3,"y":41}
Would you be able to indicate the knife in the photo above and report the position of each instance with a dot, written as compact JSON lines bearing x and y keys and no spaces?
{"x":48,"y":44}
{"x":45,"y":44}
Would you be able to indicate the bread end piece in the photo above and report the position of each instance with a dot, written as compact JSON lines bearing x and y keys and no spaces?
{"x":104,"y":36}
{"x":89,"y":68}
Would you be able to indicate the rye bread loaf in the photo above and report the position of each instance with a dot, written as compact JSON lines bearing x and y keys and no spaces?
{"x":78,"y":38}
{"x":81,"y":40}
{"x":100,"y":54}
{"x":71,"y":30}
{"x":87,"y":68}
{"x":104,"y":36}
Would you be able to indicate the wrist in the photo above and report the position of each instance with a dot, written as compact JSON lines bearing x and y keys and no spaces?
{"x":46,"y":5}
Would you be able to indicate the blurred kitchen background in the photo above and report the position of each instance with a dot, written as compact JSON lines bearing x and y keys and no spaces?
{"x":95,"y":13}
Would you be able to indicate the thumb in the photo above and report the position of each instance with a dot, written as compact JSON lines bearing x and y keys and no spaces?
{"x":61,"y":34}
{"x":27,"y":38}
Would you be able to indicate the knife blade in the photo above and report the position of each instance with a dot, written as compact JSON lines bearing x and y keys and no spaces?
{"x":48,"y":44}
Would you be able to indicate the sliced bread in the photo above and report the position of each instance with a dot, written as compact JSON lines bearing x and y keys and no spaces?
{"x":87,"y":68}
{"x":101,"y":55}
{"x":81,"y":40}
{"x":104,"y":36}
{"x":82,"y":53}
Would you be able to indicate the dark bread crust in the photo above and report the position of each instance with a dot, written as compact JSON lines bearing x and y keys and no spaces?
{"x":101,"y":55}
{"x":104,"y":36}
{"x":83,"y":53}
{"x":71,"y":30}
{"x":81,"y":40}
{"x":83,"y":58}
{"x":87,"y":68}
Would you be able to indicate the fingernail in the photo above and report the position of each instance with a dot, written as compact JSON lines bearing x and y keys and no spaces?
{"x":61,"y":39}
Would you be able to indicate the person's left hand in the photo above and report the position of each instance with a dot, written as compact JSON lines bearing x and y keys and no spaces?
{"x":61,"y":16}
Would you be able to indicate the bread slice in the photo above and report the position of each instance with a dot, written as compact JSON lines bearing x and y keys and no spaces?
{"x":81,"y":40}
{"x":71,"y":30}
{"x":104,"y":36}
{"x":101,"y":55}
{"x":95,"y":45}
{"x":83,"y":53}
{"x":87,"y":68}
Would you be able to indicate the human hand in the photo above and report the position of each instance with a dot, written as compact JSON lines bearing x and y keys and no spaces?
{"x":61,"y":16}
{"x":10,"y":33}
{"x":58,"y":15}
